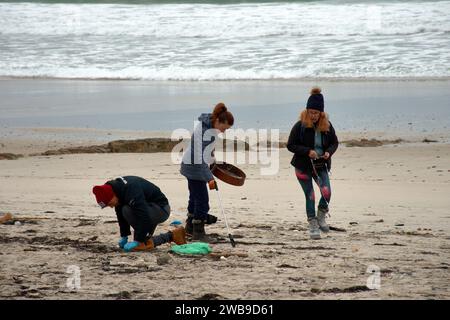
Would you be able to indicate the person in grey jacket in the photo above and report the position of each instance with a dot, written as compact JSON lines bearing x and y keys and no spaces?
{"x":195,"y":166}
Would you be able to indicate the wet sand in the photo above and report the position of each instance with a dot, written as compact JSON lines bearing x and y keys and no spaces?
{"x":407,"y":106}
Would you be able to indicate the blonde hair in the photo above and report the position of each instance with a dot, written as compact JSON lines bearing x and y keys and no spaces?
{"x":323,"y":125}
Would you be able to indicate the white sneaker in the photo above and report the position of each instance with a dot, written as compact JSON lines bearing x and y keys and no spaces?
{"x":314,"y":230}
{"x":321,"y":219}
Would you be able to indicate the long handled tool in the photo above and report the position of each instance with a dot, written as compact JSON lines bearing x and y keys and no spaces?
{"x":230,"y":236}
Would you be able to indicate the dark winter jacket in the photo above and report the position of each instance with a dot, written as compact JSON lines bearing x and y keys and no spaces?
{"x":301,"y":141}
{"x":135,"y":192}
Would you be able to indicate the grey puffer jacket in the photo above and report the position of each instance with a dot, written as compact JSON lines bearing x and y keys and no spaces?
{"x":195,"y":162}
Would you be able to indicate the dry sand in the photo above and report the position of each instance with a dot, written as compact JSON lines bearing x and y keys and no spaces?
{"x":392,"y":200}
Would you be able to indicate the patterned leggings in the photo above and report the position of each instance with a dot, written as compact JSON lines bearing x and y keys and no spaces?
{"x":305,"y":180}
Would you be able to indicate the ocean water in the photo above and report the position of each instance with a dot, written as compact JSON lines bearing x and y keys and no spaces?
{"x":224,"y":40}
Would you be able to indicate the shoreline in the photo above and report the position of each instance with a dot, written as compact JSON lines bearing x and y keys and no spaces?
{"x":301,"y":79}
{"x":359,"y":106}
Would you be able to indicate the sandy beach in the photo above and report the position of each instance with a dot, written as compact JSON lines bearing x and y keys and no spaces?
{"x":391,"y":200}
{"x":94,"y":90}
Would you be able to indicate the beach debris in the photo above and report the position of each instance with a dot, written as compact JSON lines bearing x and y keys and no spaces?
{"x":176,"y":223}
{"x":6,"y":217}
{"x":284,"y":266}
{"x":390,"y":244}
{"x":33,"y":293}
{"x":256,"y":226}
{"x":194,"y":248}
{"x":86,"y":222}
{"x":400,"y":225}
{"x":379,"y":221}
{"x":163,"y":259}
{"x":256,"y":243}
{"x":337,"y":229}
{"x":122,"y":295}
{"x":309,"y":248}
{"x":17,"y":223}
{"x":371,"y":142}
{"x":11,"y":220}
{"x":429,"y":252}
{"x":210,"y":296}
{"x":10,"y":156}
{"x":353,"y":223}
{"x":341,"y":290}
{"x":223,"y":258}
{"x":127,"y":267}
{"x":386,"y":272}
{"x":90,"y":246}
{"x":226,"y":254}
{"x":426,"y":140}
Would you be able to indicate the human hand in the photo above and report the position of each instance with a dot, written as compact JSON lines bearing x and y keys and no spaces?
{"x":312,"y":154}
{"x":212,"y":184}
{"x":123,"y":241}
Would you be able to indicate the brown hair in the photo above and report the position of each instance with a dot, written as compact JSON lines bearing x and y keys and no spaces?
{"x":323,"y":124}
{"x":220,"y":112}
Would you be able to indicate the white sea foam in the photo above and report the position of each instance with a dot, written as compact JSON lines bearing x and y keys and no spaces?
{"x":236,"y":41}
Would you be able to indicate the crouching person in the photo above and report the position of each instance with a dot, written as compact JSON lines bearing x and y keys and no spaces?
{"x":141,"y":205}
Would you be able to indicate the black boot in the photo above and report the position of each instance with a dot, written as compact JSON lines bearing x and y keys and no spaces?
{"x":189,"y":228}
{"x":199,"y":233}
{"x":210,"y":219}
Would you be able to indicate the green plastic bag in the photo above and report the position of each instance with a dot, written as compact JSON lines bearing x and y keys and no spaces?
{"x":192,"y":248}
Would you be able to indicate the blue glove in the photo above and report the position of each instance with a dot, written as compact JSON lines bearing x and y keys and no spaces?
{"x":130,"y":246}
{"x":123,"y":241}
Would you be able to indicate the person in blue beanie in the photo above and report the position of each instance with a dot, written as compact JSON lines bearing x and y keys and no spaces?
{"x":313,"y":142}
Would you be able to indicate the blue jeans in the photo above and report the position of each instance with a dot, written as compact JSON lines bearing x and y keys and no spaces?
{"x":305,"y":179}
{"x":198,"y":199}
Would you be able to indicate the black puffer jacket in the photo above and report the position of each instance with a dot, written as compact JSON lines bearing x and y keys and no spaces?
{"x":136,"y":192}
{"x":301,"y":141}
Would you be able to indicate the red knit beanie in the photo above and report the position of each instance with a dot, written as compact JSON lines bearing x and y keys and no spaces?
{"x":103,"y":194}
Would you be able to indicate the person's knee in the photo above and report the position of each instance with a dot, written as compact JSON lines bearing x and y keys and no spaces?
{"x":326,"y":192}
{"x":166,"y":211}
{"x":158,"y":214}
